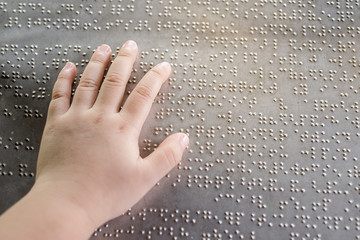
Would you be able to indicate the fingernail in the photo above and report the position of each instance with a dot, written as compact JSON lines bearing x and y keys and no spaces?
{"x":164,"y":65}
{"x":130,"y":44}
{"x":184,"y":140}
{"x":68,"y":66}
{"x":104,"y":49}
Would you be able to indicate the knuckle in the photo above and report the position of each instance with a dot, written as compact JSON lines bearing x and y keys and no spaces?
{"x":127,"y":128}
{"x":56,"y":94}
{"x":88,"y":82}
{"x":115,"y":78}
{"x":99,"y":119}
{"x":125,"y":125}
{"x":145,"y":92}
{"x":98,"y":59}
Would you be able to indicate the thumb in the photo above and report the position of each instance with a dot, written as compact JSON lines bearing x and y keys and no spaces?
{"x":165,"y":157}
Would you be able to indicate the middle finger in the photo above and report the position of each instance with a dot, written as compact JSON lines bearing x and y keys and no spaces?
{"x":113,"y":87}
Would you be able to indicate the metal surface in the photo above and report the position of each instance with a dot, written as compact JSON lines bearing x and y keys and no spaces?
{"x":267,"y":90}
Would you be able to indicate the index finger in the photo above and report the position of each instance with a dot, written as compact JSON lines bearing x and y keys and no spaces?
{"x":138,"y":105}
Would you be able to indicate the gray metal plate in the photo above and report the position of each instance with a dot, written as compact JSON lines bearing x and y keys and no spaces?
{"x":268,"y":92}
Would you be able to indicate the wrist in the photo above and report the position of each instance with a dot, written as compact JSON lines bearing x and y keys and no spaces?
{"x":87,"y":196}
{"x":41,"y":214}
{"x":56,"y":199}
{"x":71,"y":198}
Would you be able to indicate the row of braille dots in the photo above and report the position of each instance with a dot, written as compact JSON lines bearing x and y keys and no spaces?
{"x":17,"y":144}
{"x":129,"y":6}
{"x":329,"y":190}
{"x":332,"y":76}
{"x":302,"y":171}
{"x":160,"y":230}
{"x":176,"y":216}
{"x":185,"y":215}
{"x":115,"y":9}
{"x":17,"y":92}
{"x":163,"y":230}
{"x":162,"y":97}
{"x":162,"y":113}
{"x":262,"y":165}
{"x":16,"y":75}
{"x":321,"y":105}
{"x":258,"y":182}
{"x":28,"y":113}
{"x":75,"y":22}
{"x":315,"y":138}
{"x":310,"y":15}
{"x":32,"y":6}
{"x":25,"y":49}
{"x":332,"y":222}
{"x":156,"y":51}
{"x":22,"y":171}
{"x":75,"y":49}
{"x":201,"y":27}
{"x":117,"y":232}
{"x":243,"y":132}
{"x":242,"y":166}
{"x":325,"y":201}
{"x":216,"y":234}
{"x":306,"y":236}
{"x":217,"y":181}
{"x":324,"y":104}
{"x":233,"y":10}
{"x":199,"y":129}
{"x":152,"y":232}
{"x":166,"y":130}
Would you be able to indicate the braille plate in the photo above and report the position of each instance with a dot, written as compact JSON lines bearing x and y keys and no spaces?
{"x":267,"y":90}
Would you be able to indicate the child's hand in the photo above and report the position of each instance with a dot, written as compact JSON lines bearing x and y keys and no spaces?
{"x":89,"y":153}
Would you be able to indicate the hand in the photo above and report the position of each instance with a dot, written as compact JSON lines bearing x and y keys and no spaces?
{"x":89,"y":154}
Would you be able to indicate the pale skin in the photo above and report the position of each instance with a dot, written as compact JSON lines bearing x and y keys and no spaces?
{"x":89,"y":166}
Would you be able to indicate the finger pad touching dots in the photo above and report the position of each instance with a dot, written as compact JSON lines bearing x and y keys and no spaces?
{"x":129,"y":48}
{"x":164,"y":69}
